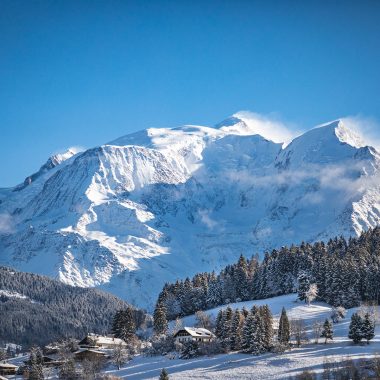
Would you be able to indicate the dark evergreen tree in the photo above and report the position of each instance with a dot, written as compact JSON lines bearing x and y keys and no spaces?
{"x":303,"y":286}
{"x":368,"y":328}
{"x":257,"y":344}
{"x":160,"y":323}
{"x":237,"y":330}
{"x":241,"y":279}
{"x":123,"y":325}
{"x":219,"y":324}
{"x":267,"y":320}
{"x":355,"y":331}
{"x":327,"y":331}
{"x":248,"y":331}
{"x":226,"y":332}
{"x":284,"y":329}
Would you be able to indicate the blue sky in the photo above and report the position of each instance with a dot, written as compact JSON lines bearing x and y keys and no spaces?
{"x":81,"y":73}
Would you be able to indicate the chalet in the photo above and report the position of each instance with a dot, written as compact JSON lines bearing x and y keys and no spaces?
{"x":8,"y":369}
{"x":99,"y":341}
{"x":194,"y":334}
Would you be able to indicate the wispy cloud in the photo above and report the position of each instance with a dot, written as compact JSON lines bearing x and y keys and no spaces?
{"x":205,"y":216}
{"x":349,"y":180}
{"x":368,"y":128}
{"x":269,"y":126}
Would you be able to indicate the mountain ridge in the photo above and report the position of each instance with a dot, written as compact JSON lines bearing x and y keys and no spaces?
{"x":159,"y":204}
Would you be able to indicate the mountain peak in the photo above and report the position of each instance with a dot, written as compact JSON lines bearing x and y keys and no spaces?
{"x":51,"y":163}
{"x":343,"y":133}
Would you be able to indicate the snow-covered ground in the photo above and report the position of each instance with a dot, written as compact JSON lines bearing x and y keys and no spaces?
{"x":269,"y":366}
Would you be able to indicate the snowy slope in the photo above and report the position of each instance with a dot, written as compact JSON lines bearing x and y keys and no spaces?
{"x":268,"y":366}
{"x":164,"y":203}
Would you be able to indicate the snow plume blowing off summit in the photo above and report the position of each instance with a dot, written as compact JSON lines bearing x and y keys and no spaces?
{"x":166,"y":203}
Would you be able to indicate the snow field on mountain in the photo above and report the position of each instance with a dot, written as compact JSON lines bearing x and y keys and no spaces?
{"x":167,"y":203}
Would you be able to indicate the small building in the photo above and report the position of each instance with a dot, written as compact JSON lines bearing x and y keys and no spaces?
{"x":100,"y":341}
{"x":89,"y":354}
{"x":7,"y":369}
{"x":195,"y":334}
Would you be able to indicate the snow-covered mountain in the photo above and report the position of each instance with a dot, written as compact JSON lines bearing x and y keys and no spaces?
{"x":162,"y":204}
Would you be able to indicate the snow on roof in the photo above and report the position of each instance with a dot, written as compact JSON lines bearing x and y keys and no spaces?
{"x":8,"y":365}
{"x":198,"y":332}
{"x":89,"y":350}
{"x":100,"y":339}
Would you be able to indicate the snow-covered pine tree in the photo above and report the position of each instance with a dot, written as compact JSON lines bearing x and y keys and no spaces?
{"x":186,"y":297}
{"x":241,"y":279}
{"x":368,"y":328}
{"x":160,"y":323}
{"x":284,"y":329}
{"x":123,"y":324}
{"x":214,"y":291}
{"x":219,"y":324}
{"x":355,"y":331}
{"x":248,"y":330}
{"x":267,"y":319}
{"x":128,"y":327}
{"x":327,"y":331}
{"x":257,"y":345}
{"x":303,"y":286}
{"x":116,"y":323}
{"x":237,"y":330}
{"x":226,"y":328}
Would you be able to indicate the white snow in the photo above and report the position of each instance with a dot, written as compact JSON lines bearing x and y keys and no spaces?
{"x":164,"y":203}
{"x":269,"y":366}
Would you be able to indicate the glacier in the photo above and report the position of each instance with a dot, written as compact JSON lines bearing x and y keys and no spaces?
{"x":166,"y":203}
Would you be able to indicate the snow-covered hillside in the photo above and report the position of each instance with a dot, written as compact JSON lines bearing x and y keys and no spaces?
{"x":162,"y":204}
{"x":309,"y":357}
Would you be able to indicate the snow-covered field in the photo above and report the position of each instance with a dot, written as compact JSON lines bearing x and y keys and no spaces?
{"x":269,"y":366}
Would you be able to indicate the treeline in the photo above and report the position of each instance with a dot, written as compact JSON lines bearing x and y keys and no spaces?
{"x":344,"y":271}
{"x":51,"y":310}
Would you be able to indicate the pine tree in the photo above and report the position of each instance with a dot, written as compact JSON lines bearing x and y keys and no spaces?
{"x":241,"y":279}
{"x":248,"y":330}
{"x":123,"y":325}
{"x":160,"y":323}
{"x":303,"y":286}
{"x":267,"y":319}
{"x":214,"y":291}
{"x":368,"y":328}
{"x":164,"y":375}
{"x":327,"y":331}
{"x":254,"y":332}
{"x":226,"y":328}
{"x":257,"y":345}
{"x":237,"y":330}
{"x":219,"y":324}
{"x":284,"y":329}
{"x":355,"y":331}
